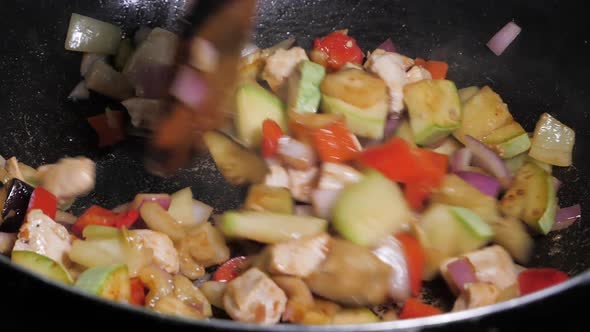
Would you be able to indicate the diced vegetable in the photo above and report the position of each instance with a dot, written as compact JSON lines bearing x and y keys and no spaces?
{"x":466,"y":93}
{"x":160,"y":220}
{"x":368,"y":122}
{"x":296,"y":154}
{"x":335,"y":143}
{"x":86,"y":34}
{"x":553,"y":142}
{"x":88,"y":60}
{"x":181,"y":207}
{"x":415,"y":260}
{"x":503,"y":38}
{"x":272,"y":199}
{"x":533,"y":280}
{"x":302,"y":126}
{"x":512,"y":234}
{"x":434,"y":107}
{"x":391,"y":252}
{"x":137,"y":292}
{"x":370,"y":209}
{"x":493,"y":264}
{"x":387,"y":46}
{"x":110,"y":282}
{"x":488,"y":160}
{"x":566,"y":216}
{"x":231,"y":269}
{"x":267,"y":227}
{"x":336,"y":49}
{"x":437,"y":69}
{"x":367,"y":277}
{"x":254,"y":104}
{"x":355,"y":87}
{"x":508,"y":140}
{"x":201,"y":211}
{"x":458,"y":273}
{"x":43,"y":200}
{"x":237,"y":164}
{"x":99,"y":252}
{"x":104,"y":79}
{"x":42,"y":265}
{"x":99,"y":232}
{"x":486,"y":184}
{"x":271,"y":133}
{"x":416,"y":309}
{"x":123,"y":54}
{"x":163,"y":199}
{"x":14,"y":199}
{"x":96,"y":215}
{"x":304,"y":87}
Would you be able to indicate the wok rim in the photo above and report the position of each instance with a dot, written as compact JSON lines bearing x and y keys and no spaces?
{"x":398,"y":325}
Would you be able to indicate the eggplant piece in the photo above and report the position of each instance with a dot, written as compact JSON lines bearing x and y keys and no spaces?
{"x":14,"y":200}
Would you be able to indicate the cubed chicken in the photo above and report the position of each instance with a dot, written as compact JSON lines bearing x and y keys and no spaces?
{"x":44,"y":236}
{"x":475,"y":295}
{"x":417,"y":73}
{"x":301,"y":183}
{"x":300,"y":257}
{"x":494,"y":265}
{"x":281,"y":65}
{"x":254,"y":298}
{"x":335,"y":176}
{"x":165,"y":255}
{"x":69,"y":178}
{"x":391,"y":68}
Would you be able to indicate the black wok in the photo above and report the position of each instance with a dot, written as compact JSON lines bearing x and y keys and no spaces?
{"x":545,"y":70}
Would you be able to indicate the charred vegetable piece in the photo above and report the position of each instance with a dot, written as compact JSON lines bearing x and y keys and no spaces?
{"x":17,"y":194}
{"x":553,"y":142}
{"x":237,"y":164}
{"x":110,"y":282}
{"x":273,"y":199}
{"x":42,"y":265}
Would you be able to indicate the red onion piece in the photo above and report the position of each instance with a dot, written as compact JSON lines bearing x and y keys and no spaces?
{"x":162,"y":199}
{"x":201,"y":211}
{"x":461,"y":272}
{"x":503,"y":38}
{"x":461,"y":160}
{"x":391,"y":124}
{"x":565,"y":217}
{"x":387,"y":46}
{"x":188,"y":87}
{"x":489,"y":160}
{"x":486,"y":184}
{"x":65,"y":217}
{"x":323,"y":201}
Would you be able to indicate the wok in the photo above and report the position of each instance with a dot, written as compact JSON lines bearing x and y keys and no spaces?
{"x":543,"y":71}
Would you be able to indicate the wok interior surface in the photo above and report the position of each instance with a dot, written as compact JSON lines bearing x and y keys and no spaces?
{"x":544,"y":70}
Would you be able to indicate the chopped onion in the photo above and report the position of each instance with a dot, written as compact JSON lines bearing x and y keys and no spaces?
{"x":204,"y":56}
{"x":461,"y":272}
{"x":104,"y":79}
{"x":323,"y":200}
{"x":387,"y":46}
{"x":65,"y":217}
{"x":565,"y":217}
{"x":86,"y":34}
{"x":296,"y":154}
{"x":553,"y":142}
{"x":249,"y":49}
{"x":163,"y":199}
{"x":503,"y":38}
{"x":80,"y":92}
{"x":88,"y":59}
{"x":304,"y":210}
{"x":144,"y":113}
{"x":188,"y":87}
{"x":461,"y":160}
{"x":486,"y":184}
{"x":391,"y":253}
{"x":489,"y":160}
{"x":7,"y":241}
{"x":201,"y":212}
{"x":141,"y":35}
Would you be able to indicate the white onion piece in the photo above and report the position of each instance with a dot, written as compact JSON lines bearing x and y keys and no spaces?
{"x":323,"y":200}
{"x":80,"y":92}
{"x":489,"y":160}
{"x":88,"y":59}
{"x":188,"y":87}
{"x":391,"y":253}
{"x":65,"y":217}
{"x":86,"y":34}
{"x":503,"y":38}
{"x":296,"y":154}
{"x":248,"y":49}
{"x":7,"y":241}
{"x":284,"y":45}
{"x":201,"y":212}
{"x":163,"y":199}
{"x":204,"y":55}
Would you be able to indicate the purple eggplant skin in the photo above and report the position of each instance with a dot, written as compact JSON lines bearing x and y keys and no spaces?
{"x":18,"y":194}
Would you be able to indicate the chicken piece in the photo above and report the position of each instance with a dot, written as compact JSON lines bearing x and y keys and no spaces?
{"x":404,"y":61}
{"x":277,"y":176}
{"x":390,"y":252}
{"x":44,"y":236}
{"x":417,"y":73}
{"x":281,"y":65}
{"x":69,"y":178}
{"x":475,"y":295}
{"x":13,"y":169}
{"x":301,"y":183}
{"x":299,"y":257}
{"x":335,"y":176}
{"x":165,"y":255}
{"x":254,"y":298}
{"x":391,"y":68}
{"x":299,"y":298}
{"x":494,"y":265}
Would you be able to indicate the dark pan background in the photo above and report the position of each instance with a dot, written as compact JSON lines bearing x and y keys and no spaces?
{"x":544,"y":70}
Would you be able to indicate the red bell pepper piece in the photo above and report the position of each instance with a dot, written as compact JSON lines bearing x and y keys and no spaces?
{"x":533,"y":280}
{"x":335,"y":143}
{"x":338,"y":49}
{"x":96,"y":215}
{"x":43,"y":200}
{"x":415,"y":309}
{"x":415,"y":259}
{"x":108,"y":132}
{"x":271,"y":132}
{"x":126,"y":219}
{"x":231,"y":269}
{"x":438,"y":69}
{"x":137,"y":292}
